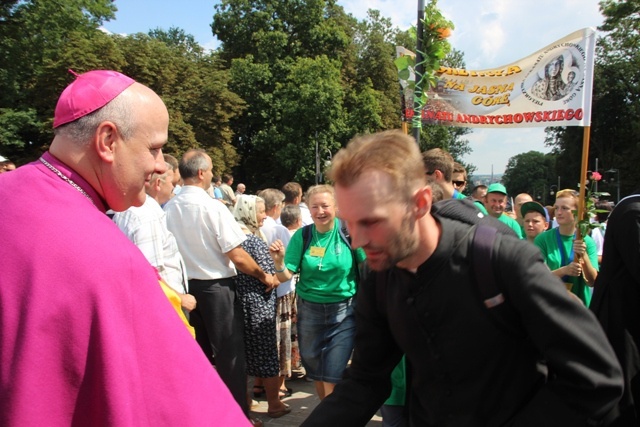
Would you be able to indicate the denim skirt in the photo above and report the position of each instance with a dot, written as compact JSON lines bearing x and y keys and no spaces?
{"x":325,"y":335}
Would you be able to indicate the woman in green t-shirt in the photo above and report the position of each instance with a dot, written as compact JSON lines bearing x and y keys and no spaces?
{"x":325,"y":290}
{"x":574,"y":261}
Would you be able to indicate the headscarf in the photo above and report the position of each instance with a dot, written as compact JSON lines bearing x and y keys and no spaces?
{"x":245,"y":214}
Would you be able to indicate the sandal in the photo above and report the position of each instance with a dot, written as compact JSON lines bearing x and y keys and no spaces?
{"x":280,"y":413}
{"x":259,"y":392}
{"x":285,"y":393}
{"x":255,"y":422}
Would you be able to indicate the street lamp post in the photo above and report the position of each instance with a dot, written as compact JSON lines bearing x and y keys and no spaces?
{"x":317,"y":161}
{"x":319,"y":170}
{"x":552,"y":191}
{"x":617,"y":178}
{"x":328,"y":160}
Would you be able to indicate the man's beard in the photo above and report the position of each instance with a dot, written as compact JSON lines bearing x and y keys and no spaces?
{"x":401,"y":246}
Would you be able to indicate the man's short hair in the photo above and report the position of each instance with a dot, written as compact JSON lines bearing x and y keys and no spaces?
{"x":118,"y":110}
{"x":291,"y":190}
{"x":459,"y":168}
{"x":193,"y":161}
{"x":478,"y":188}
{"x":162,"y":176}
{"x":438,"y":159}
{"x":171,"y":160}
{"x":272,"y":198}
{"x":391,"y":152}
{"x":437,"y":192}
{"x":605,"y":206}
{"x":290,"y":215}
{"x":226,"y":178}
{"x":569,"y":193}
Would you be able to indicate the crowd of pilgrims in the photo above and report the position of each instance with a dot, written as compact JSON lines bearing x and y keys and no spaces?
{"x":283,"y":323}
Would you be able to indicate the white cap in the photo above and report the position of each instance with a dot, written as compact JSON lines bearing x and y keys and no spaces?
{"x":3,"y":159}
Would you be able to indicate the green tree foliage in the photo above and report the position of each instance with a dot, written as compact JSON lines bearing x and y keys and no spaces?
{"x":532,"y":173}
{"x":376,"y":75}
{"x":291,"y":75}
{"x":194,"y":88}
{"x":41,"y":40}
{"x":305,"y":107}
{"x":274,"y":30}
{"x":34,"y":36}
{"x":15,"y":125}
{"x":615,"y":121}
{"x":310,"y":74}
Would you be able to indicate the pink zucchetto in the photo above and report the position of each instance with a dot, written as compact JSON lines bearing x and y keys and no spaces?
{"x":87,"y":93}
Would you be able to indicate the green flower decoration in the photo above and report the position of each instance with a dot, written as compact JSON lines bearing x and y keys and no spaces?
{"x":436,"y":29}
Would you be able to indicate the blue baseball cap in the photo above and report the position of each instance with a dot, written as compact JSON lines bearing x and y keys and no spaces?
{"x":534,"y":207}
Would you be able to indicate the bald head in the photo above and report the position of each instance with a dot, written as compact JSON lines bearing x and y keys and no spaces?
{"x":117,"y":147}
{"x":121,"y":111}
{"x":518,"y":202}
{"x":196,"y":168}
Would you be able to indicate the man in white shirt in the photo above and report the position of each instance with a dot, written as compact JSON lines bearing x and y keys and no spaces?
{"x":240,"y":189}
{"x":209,"y":240}
{"x":293,"y":196}
{"x":177,"y":179}
{"x":273,"y":200}
{"x":146,"y":227}
{"x":228,"y":196}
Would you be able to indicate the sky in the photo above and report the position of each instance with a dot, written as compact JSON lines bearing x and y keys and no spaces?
{"x":490,"y":33}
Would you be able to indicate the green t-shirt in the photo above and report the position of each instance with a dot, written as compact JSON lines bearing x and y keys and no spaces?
{"x":512,"y":223}
{"x":324,"y":279}
{"x":548,"y":244}
{"x":481,"y":207}
{"x":398,"y":385}
{"x":458,"y":195}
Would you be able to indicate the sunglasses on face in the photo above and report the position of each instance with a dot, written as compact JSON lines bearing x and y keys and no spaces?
{"x":458,"y":183}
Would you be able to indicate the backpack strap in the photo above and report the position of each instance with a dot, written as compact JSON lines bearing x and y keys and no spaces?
{"x":306,"y":242}
{"x":344,"y":234}
{"x":497,"y":306}
{"x":484,"y":238}
{"x":361,"y":269}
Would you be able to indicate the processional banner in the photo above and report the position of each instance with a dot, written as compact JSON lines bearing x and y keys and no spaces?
{"x":551,"y":87}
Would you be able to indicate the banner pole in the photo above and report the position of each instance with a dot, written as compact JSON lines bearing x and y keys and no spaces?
{"x":583,"y":176}
{"x":419,"y":71}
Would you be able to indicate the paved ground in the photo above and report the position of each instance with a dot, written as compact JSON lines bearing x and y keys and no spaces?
{"x":302,"y":402}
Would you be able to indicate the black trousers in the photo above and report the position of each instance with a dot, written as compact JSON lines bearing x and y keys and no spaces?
{"x":218,"y":322}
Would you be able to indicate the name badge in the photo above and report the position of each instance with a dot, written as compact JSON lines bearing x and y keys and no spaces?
{"x":316,"y":251}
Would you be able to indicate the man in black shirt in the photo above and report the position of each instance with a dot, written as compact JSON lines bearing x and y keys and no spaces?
{"x":422,"y":300}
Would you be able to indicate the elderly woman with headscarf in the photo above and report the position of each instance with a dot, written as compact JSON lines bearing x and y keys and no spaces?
{"x":259,"y":305}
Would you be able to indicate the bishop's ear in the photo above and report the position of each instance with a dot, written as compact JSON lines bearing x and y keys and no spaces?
{"x":105,"y":138}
